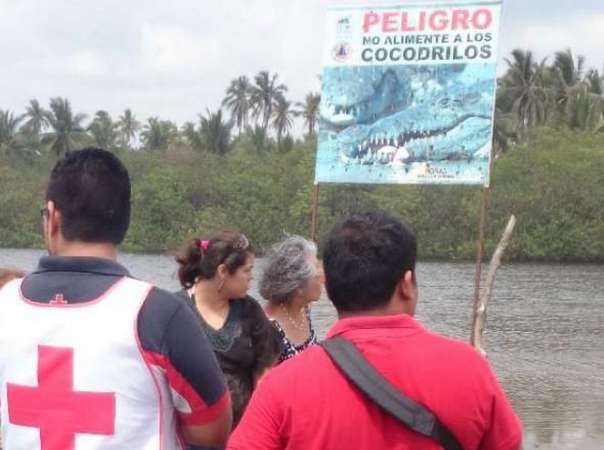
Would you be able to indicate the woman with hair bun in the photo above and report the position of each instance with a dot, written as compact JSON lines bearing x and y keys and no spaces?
{"x":292,"y":280}
{"x":215,"y":274}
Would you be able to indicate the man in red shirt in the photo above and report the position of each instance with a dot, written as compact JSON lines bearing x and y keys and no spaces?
{"x":307,"y":403}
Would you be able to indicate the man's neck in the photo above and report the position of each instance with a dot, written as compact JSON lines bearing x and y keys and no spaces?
{"x":88,"y":249}
{"x":387,"y":310}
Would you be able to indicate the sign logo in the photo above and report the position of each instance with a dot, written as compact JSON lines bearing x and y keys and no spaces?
{"x":344,"y":25}
{"x":342,"y":52}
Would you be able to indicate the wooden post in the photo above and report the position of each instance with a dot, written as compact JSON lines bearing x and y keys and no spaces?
{"x":484,"y":205}
{"x":480,"y":313}
{"x":313,"y":212}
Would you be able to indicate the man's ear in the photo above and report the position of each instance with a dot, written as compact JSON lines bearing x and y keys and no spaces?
{"x":54,"y":219}
{"x":407,"y":285}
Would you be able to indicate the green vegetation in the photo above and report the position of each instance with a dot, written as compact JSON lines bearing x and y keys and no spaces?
{"x":247,"y":172}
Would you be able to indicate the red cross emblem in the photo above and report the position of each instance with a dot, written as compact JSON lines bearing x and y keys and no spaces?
{"x":55,"y":408}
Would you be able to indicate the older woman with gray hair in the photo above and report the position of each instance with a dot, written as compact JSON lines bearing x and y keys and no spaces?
{"x":292,"y":280}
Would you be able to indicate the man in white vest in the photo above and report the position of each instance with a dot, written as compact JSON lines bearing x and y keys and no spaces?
{"x":91,"y":358}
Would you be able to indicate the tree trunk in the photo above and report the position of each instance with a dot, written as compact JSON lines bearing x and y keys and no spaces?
{"x":480,"y":313}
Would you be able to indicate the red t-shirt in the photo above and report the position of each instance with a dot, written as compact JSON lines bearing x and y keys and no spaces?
{"x":307,"y":404}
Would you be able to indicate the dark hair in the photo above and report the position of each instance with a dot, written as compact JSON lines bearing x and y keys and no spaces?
{"x":91,"y":189}
{"x":199,"y":259}
{"x":365,"y":256}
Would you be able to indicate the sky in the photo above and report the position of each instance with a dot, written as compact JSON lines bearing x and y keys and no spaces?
{"x":175,"y":59}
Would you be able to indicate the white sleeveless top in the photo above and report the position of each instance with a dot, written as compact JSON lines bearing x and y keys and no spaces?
{"x":73,"y":376}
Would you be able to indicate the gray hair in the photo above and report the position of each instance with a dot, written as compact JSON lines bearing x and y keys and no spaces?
{"x":288,"y":268}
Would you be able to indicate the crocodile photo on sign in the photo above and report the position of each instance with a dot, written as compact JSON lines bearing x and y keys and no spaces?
{"x":417,"y":122}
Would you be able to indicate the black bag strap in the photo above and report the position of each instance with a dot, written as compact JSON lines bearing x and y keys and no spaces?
{"x":367,"y":379}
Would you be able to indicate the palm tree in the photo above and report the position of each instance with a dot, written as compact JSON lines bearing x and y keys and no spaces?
{"x":309,"y":110}
{"x":216,"y":133}
{"x":66,"y":128}
{"x":237,"y":101}
{"x":263,"y":93}
{"x":595,"y":82}
{"x":156,"y":134}
{"x":569,"y":81}
{"x":192,"y":136}
{"x":579,"y":97}
{"x":524,"y":85}
{"x":282,"y":116}
{"x":257,"y":137}
{"x":585,"y":111}
{"x":128,"y":126}
{"x":9,"y":138}
{"x":37,"y":118}
{"x":504,"y":130}
{"x":569,"y":70}
{"x":103,"y":129}
{"x":595,"y":91}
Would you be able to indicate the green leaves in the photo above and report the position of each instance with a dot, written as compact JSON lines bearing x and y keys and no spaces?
{"x":20,"y":201}
{"x":560,"y":94}
{"x":66,"y":129}
{"x":157,"y":134}
{"x":215,"y":133}
{"x":103,"y":130}
{"x":9,"y":139}
{"x":554,"y":186}
{"x":309,"y":110}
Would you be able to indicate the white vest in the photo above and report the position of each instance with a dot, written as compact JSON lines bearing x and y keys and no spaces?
{"x":73,"y":376}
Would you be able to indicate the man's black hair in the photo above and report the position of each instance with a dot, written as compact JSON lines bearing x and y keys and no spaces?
{"x":365,"y":255}
{"x":91,"y":189}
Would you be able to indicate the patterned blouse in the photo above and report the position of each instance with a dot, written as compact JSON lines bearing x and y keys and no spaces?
{"x":246,"y":344}
{"x":289,"y":348}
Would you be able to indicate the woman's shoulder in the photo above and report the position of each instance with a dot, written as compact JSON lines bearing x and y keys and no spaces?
{"x":249,"y":310}
{"x":184,"y":295}
{"x":251,"y":305}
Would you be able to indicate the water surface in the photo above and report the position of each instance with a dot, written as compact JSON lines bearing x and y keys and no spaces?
{"x":544,"y":335}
